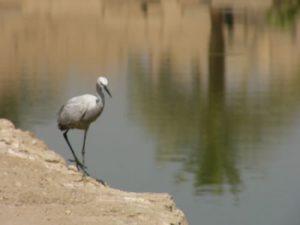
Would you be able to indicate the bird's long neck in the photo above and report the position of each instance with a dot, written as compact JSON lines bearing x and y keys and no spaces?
{"x":100,"y":93}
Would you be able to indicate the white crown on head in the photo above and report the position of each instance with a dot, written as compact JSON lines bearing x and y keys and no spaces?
{"x":103,"y":81}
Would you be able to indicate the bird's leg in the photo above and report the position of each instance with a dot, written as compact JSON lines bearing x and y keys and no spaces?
{"x":78,"y":163}
{"x":85,"y":173}
{"x":83,"y":146}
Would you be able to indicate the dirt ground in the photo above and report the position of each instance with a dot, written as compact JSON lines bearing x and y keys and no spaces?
{"x":38,"y":188}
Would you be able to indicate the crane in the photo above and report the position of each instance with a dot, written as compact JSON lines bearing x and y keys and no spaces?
{"x":79,"y":112}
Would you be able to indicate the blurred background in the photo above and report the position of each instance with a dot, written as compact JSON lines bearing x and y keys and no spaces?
{"x":206,"y":97}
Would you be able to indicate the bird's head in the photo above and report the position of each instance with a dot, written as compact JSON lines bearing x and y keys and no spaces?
{"x":102,"y":82}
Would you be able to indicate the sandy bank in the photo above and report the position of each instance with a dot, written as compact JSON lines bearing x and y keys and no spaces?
{"x":38,"y":188}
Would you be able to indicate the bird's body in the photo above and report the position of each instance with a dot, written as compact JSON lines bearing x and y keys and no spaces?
{"x":79,"y":112}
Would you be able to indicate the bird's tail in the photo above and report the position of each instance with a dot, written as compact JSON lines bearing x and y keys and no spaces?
{"x":61,"y":126}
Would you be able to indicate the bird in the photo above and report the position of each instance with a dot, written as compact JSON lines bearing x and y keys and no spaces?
{"x":79,"y":112}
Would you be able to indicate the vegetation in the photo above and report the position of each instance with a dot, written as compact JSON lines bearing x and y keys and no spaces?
{"x":284,"y":13}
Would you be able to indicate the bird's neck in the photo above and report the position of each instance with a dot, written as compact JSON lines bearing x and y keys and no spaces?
{"x":100,"y":94}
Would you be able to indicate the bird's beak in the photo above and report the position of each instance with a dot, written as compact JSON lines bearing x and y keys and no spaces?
{"x":108,"y":92}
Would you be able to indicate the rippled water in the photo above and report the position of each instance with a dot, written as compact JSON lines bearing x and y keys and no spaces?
{"x":205,"y":98}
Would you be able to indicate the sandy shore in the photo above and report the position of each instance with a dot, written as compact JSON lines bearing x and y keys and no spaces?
{"x":38,"y":188}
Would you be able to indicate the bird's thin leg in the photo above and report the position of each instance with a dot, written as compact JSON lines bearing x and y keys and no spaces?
{"x":83,"y":146}
{"x":85,"y":173}
{"x":78,"y":163}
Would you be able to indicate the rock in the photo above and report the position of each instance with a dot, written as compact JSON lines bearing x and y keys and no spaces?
{"x":6,"y":124}
{"x":37,"y":187}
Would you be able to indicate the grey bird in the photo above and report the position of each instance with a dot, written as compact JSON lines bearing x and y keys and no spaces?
{"x":79,"y":112}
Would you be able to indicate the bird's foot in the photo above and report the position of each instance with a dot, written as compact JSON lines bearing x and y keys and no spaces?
{"x":83,"y":169}
{"x":79,"y":165}
{"x":101,"y":182}
{"x":85,"y":175}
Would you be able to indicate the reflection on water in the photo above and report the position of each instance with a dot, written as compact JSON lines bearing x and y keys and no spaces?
{"x":213,"y":86}
{"x":284,"y":13}
{"x":205,"y":124}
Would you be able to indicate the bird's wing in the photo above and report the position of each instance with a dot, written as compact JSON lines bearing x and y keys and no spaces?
{"x":75,"y":109}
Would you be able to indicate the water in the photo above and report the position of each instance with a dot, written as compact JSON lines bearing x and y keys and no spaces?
{"x":205,"y":98}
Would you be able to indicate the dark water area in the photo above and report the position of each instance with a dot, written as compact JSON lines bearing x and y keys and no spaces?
{"x":206,"y":97}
